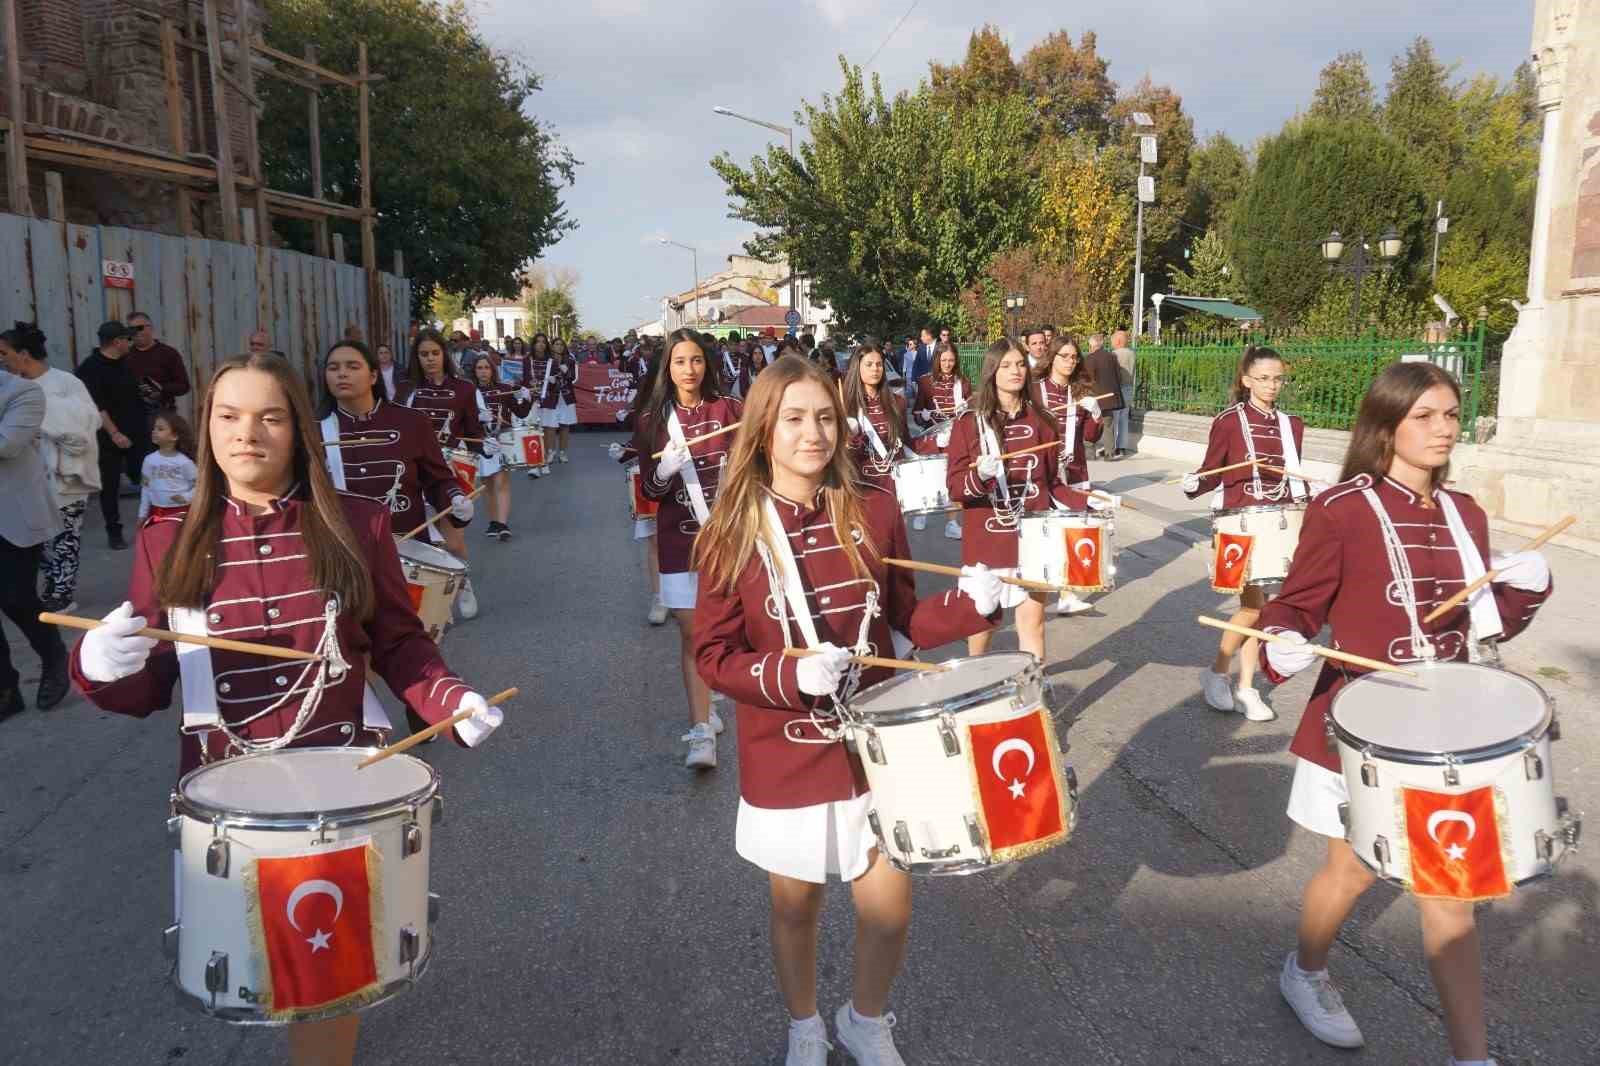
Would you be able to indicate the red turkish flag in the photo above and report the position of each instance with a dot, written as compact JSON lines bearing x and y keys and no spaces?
{"x":314,"y":918}
{"x":1455,"y":844}
{"x":466,"y":471}
{"x":643,"y":506}
{"x":533,"y":449}
{"x":1016,"y":773}
{"x":416,"y":592}
{"x":1085,"y":563}
{"x":1232,"y":561}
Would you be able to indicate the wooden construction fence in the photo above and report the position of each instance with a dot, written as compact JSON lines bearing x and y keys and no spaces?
{"x":204,"y":297}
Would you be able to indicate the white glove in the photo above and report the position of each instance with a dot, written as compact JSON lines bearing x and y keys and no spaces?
{"x":1191,"y":484}
{"x":673,"y":459}
{"x":486,"y":720}
{"x":982,"y":586}
{"x":462,"y":509}
{"x":491,"y":448}
{"x":524,"y":395}
{"x":943,"y":439}
{"x":1290,"y":655}
{"x":622,"y":416}
{"x":820,"y":674}
{"x":1108,"y":502}
{"x":615,"y":451}
{"x":1092,"y":405}
{"x":988,"y":467}
{"x":1527,"y":571}
{"x":111,"y":651}
{"x":854,"y":423}
{"x":72,"y":443}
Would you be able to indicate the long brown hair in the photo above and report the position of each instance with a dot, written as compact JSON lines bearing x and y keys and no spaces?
{"x":986,"y":404}
{"x":1079,"y":383}
{"x":855,"y":396}
{"x":663,"y":393}
{"x":188,"y":572}
{"x":1388,"y":401}
{"x":180,"y":429}
{"x":938,"y":356}
{"x":728,"y":539}
{"x":1252,"y":355}
{"x":414,"y":371}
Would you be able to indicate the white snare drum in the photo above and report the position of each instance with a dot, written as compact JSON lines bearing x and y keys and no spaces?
{"x":963,"y":764}
{"x":1274,"y":530}
{"x":920,"y":484}
{"x":433,"y":575}
{"x":640,"y":506}
{"x":239,"y":826}
{"x":510,"y":451}
{"x":1068,"y":549}
{"x":522,"y":446}
{"x":1443,"y":767}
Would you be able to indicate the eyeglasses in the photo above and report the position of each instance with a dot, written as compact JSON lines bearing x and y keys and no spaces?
{"x":1266,"y":381}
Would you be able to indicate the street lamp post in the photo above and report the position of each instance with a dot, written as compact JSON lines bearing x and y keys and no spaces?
{"x":1146,"y":193}
{"x":1015,"y":302}
{"x":695,"y":258}
{"x":1360,"y":262}
{"x":788,"y":132}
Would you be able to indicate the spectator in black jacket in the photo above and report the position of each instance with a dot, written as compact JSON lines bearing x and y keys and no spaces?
{"x":124,"y":436}
{"x":1102,"y":366}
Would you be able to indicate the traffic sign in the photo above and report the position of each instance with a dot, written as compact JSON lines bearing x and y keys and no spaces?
{"x":792,"y":318}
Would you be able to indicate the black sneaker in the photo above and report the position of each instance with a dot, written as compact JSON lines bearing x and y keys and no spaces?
{"x":505,"y":532}
{"x":115,"y":542}
{"x":493,"y":531}
{"x":10,"y":702}
{"x":53,"y":684}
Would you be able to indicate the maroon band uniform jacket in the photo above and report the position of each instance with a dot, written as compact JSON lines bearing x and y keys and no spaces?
{"x":936,"y":398}
{"x":547,"y":394}
{"x":676,"y":525}
{"x":891,"y":430}
{"x":1341,"y":577}
{"x":402,"y":471}
{"x":264,"y":593}
{"x":452,"y":404}
{"x":503,"y":405}
{"x":1058,"y":400}
{"x":989,"y":535}
{"x":739,"y":647}
{"x":1227,"y":446}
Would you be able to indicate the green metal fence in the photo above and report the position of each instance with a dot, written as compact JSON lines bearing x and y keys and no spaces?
{"x":1326,"y":377}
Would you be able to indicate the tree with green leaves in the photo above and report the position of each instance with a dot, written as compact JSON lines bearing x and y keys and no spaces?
{"x":1210,"y":270}
{"x":986,"y":73}
{"x":466,"y":211}
{"x":1069,"y":85}
{"x":1421,"y":113}
{"x":1219,"y":170}
{"x":1344,"y":90}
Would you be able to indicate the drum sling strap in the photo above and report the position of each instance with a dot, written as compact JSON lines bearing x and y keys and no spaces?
{"x":335,"y":454}
{"x":988,"y":444}
{"x":690,"y":476}
{"x":1296,"y":487}
{"x":871,"y":432}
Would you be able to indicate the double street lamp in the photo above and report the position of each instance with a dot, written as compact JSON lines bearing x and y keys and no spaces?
{"x":695,"y":257}
{"x":1359,"y":262}
{"x":788,"y":132}
{"x":1015,"y":302}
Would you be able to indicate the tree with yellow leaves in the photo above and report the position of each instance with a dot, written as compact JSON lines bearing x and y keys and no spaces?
{"x":1085,"y":223}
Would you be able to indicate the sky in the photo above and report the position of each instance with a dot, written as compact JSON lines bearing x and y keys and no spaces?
{"x":629,"y":86}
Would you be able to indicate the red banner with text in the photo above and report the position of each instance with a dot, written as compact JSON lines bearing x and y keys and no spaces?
{"x":605,"y":394}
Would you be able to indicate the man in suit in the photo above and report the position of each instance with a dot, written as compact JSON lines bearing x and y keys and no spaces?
{"x":26,"y":522}
{"x":915,"y":361}
{"x":1103,"y":368}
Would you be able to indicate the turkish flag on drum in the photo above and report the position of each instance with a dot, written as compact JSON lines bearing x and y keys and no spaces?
{"x":1455,"y":844}
{"x":533,"y":449}
{"x":466,"y":472}
{"x":1085,"y":562}
{"x":1232,"y":561}
{"x":1017,"y":779}
{"x":314,"y":916}
{"x":643,"y":506}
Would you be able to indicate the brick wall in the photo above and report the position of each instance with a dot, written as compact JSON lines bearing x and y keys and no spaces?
{"x":53,"y":46}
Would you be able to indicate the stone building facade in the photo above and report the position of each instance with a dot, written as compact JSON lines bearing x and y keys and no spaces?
{"x":92,"y":70}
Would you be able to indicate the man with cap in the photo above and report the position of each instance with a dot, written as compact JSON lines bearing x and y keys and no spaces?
{"x":124,"y":436}
{"x":155,"y":365}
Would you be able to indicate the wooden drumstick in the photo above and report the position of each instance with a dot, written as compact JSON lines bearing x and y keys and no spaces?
{"x":72,"y":621}
{"x":432,"y":731}
{"x":704,"y":436}
{"x":474,"y":495}
{"x":1032,"y":448}
{"x":955,"y":571}
{"x":1315,"y":649}
{"x":1533,"y":545}
{"x":1213,"y":470}
{"x":353,"y":442}
{"x":870,"y":660}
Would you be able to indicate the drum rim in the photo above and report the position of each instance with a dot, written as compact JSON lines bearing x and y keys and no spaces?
{"x":1511,"y":745}
{"x":461,"y":567}
{"x":1269,"y":508}
{"x":1033,"y":672}
{"x":255,"y":1016}
{"x":333,"y":818}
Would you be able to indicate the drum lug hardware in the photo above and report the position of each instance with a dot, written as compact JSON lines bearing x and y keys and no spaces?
{"x":217,"y":858}
{"x":1380,"y":851}
{"x":902,"y":838}
{"x":409,"y":942}
{"x":438,"y":809}
{"x":975,"y":832}
{"x":322,"y":830}
{"x":248,"y":996}
{"x":877,"y":829}
{"x":1344,"y":817}
{"x":1072,"y":784}
{"x":174,"y":830}
{"x":875,"y":748}
{"x":1452,"y":775}
{"x":1533,"y":766}
{"x":410,"y":839}
{"x":947,"y":734}
{"x":172,"y":803}
{"x":1544,"y":845}
{"x":943,"y":853}
{"x":1369,"y":774}
{"x":1554,"y":732}
{"x":433,"y":907}
{"x":217,"y":974}
{"x":169,"y":940}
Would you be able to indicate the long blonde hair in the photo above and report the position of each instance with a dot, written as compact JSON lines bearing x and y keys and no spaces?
{"x":728,"y":539}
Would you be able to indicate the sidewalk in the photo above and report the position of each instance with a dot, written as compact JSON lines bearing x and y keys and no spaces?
{"x":1561,"y":645}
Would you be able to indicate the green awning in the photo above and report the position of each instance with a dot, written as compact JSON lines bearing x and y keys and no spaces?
{"x":1214,"y":305}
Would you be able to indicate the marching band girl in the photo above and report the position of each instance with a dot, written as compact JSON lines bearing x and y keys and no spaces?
{"x":644,"y":526}
{"x":1377,"y":553}
{"x":542,"y":378}
{"x":566,"y":408}
{"x":942,"y":395}
{"x":755,"y":361}
{"x":502,"y":403}
{"x":995,"y":492}
{"x":1254,"y":427}
{"x":436,"y":388}
{"x":1067,"y":392}
{"x":264,"y":494}
{"x":877,"y":417}
{"x":792,"y":556}
{"x":684,"y":402}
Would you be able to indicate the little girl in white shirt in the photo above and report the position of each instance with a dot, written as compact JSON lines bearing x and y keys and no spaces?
{"x":169,"y":471}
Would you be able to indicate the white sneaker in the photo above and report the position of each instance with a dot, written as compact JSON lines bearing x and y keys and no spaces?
{"x":715,"y":721}
{"x":467,"y":600}
{"x":869,"y":1040}
{"x":952,"y":529}
{"x":1218,"y":690}
{"x":808,"y":1044}
{"x":1316,"y":1003}
{"x":658,"y":612}
{"x":702,"y":747}
{"x":920,"y":522}
{"x":535,"y":473}
{"x":562,"y":457}
{"x":1249,"y":703}
{"x":1069,"y":603}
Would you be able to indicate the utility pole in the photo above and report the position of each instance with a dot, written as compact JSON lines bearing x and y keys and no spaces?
{"x":1440,"y":226}
{"x":1146,"y":194}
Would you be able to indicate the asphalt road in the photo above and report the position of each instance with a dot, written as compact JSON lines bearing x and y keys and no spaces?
{"x":595,"y":911}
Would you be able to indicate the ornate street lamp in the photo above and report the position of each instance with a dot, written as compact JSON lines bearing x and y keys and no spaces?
{"x":1014,"y":302}
{"x":1360,"y":262}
